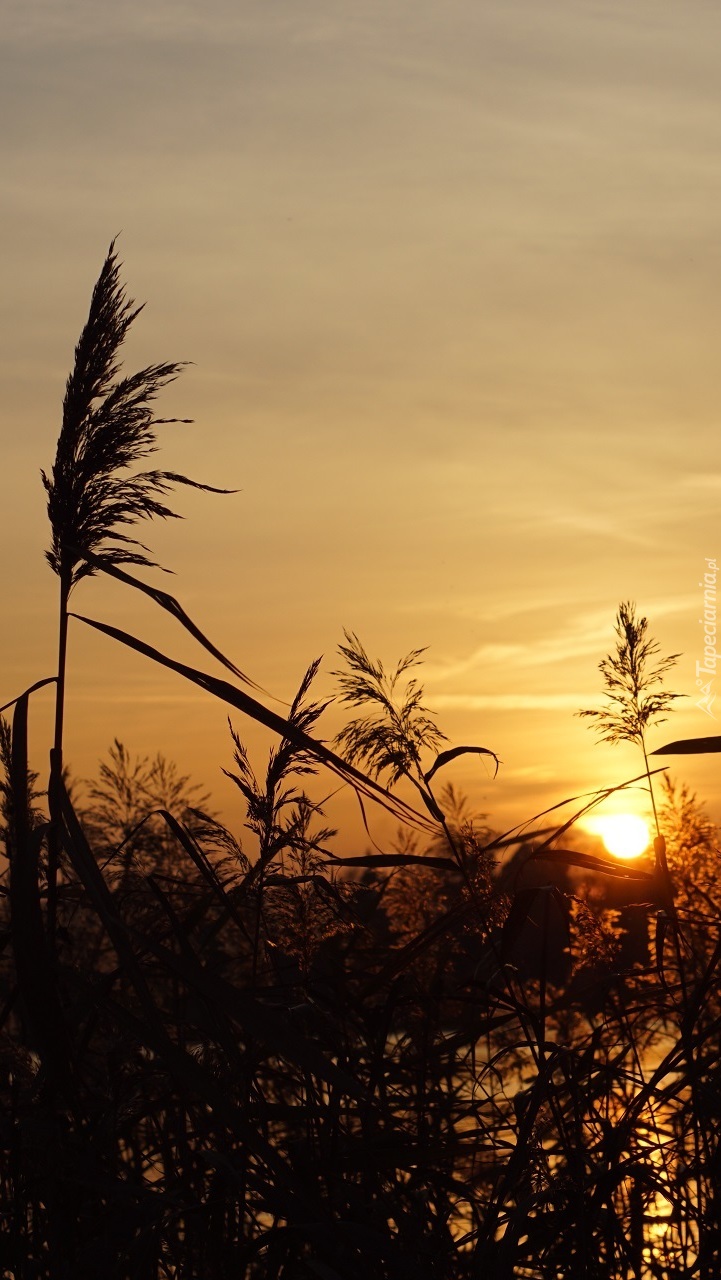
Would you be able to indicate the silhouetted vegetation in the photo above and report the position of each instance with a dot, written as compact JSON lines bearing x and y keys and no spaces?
{"x":469,"y":1054}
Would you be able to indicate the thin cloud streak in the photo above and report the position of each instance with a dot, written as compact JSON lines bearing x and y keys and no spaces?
{"x":509,"y":701}
{"x":590,"y":634}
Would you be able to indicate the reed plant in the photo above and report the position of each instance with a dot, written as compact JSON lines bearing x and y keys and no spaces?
{"x":633,"y":677}
{"x":95,"y":494}
{"x":247,"y":1056}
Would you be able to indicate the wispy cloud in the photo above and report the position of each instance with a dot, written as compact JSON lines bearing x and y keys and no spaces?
{"x":589,"y":634}
{"x":710,"y":480}
{"x":508,"y":701}
{"x":607,"y":527}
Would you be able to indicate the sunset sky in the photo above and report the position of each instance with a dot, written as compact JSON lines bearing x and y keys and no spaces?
{"x":450,"y":280}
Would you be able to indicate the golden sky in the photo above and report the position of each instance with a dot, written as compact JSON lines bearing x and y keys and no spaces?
{"x":450,"y":277}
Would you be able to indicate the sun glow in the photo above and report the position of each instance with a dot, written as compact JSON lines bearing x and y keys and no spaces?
{"x":625,"y":835}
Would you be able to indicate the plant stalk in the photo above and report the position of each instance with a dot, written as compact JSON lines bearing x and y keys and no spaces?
{"x":56,"y":755}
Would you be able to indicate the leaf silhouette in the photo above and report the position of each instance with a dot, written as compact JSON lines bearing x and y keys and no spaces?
{"x":690,"y":747}
{"x":257,"y":711}
{"x":446,"y":756}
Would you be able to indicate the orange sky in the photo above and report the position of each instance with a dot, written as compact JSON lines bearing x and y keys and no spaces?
{"x":450,"y":279}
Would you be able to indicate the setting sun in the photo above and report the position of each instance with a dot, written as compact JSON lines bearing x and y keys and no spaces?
{"x":625,"y":835}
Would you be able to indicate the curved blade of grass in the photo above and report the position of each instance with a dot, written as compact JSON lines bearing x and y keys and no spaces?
{"x":194,"y":852}
{"x":428,"y":800}
{"x":571,"y":857}
{"x":596,"y":798}
{"x":446,"y":756}
{"x":251,"y":707}
{"x":593,"y":797}
{"x":39,"y":684}
{"x":171,"y":606}
{"x":394,"y":860}
{"x":690,"y":747}
{"x":201,"y":861}
{"x":504,"y":842}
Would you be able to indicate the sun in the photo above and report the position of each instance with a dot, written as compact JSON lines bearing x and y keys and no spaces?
{"x":625,"y":835}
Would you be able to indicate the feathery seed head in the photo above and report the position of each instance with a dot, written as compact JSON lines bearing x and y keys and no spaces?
{"x":108,"y":426}
{"x":632,"y":677}
{"x":398,"y":727}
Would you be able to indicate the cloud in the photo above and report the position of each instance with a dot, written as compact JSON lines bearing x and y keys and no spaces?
{"x":710,"y":480}
{"x":590,"y":633}
{"x":43,"y":22}
{"x":508,"y":701}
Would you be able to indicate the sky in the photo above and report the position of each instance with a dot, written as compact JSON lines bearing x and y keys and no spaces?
{"x":450,"y":281}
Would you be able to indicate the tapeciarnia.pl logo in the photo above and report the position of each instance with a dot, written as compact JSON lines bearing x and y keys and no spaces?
{"x":706,"y":670}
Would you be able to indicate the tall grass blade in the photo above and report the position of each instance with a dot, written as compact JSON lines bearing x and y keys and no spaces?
{"x":34,"y":968}
{"x":284,"y":728}
{"x":690,"y":747}
{"x":39,"y":684}
{"x":452,"y":754}
{"x":173,"y":607}
{"x":590,"y":862}
{"x":396,"y":860}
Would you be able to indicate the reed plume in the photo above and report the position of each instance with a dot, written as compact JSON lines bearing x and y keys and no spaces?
{"x":108,"y":426}
{"x":392,"y":735}
{"x":633,"y":677}
{"x":94,"y":496}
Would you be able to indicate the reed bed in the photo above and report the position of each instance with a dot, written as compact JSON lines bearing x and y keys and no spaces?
{"x":258,"y":1059}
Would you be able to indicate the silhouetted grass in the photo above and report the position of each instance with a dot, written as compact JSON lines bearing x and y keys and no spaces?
{"x":252,"y":1058}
